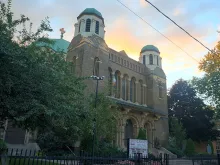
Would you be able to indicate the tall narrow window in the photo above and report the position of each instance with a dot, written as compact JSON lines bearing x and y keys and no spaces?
{"x":160,"y":90}
{"x":73,"y":65}
{"x":96,"y":67}
{"x":157,"y":61}
{"x":123,"y":88}
{"x":88,"y":25}
{"x":97,"y":27}
{"x":151,"y":59}
{"x":110,"y":81}
{"x":144,"y":60}
{"x":133,"y":90}
{"x":79,"y":25}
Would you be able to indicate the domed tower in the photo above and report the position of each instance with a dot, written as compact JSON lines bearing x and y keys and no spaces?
{"x":90,"y":22}
{"x":150,"y":56}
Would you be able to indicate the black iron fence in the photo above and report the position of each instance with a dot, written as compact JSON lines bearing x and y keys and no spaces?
{"x":30,"y":157}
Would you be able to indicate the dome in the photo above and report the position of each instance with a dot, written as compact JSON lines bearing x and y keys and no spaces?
{"x":91,"y":11}
{"x":150,"y":48}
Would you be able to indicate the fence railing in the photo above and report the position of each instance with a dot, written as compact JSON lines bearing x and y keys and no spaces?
{"x":30,"y":157}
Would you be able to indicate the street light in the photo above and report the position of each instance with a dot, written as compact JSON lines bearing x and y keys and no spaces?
{"x":94,"y":120}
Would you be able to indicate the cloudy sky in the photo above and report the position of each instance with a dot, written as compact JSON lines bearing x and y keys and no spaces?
{"x":125,"y":31}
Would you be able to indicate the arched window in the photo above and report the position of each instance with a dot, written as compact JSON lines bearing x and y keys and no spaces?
{"x":88,"y":25}
{"x":97,"y":27}
{"x":96,"y":67}
{"x":133,"y":90}
{"x":160,"y":90}
{"x":142,"y":91}
{"x":79,"y":25}
{"x":73,"y":64}
{"x":125,"y":87}
{"x":110,"y":81}
{"x":129,"y":131}
{"x":144,"y":60}
{"x":151,"y":59}
{"x":118,"y":83}
{"x":157,"y":61}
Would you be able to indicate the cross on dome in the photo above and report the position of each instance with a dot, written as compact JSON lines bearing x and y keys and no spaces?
{"x":62,"y":32}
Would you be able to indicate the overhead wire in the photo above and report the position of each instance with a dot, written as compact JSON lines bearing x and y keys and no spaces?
{"x":179,"y":26}
{"x":157,"y":30}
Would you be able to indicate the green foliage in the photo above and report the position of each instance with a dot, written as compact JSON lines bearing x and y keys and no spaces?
{"x":211,"y":145}
{"x":38,"y":90}
{"x":142,"y":134}
{"x":190,"y":148}
{"x":3,"y":146}
{"x":177,"y":132}
{"x":195,"y":116}
{"x":105,"y":114}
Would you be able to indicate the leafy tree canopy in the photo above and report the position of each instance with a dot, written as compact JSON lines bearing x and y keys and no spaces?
{"x":37,"y":88}
{"x":190,"y":110}
{"x":208,"y":86}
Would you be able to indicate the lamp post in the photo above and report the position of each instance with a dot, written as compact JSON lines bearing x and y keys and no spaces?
{"x":94,"y":120}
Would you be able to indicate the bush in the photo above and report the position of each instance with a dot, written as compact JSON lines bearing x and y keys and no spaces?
{"x":142,"y":134}
{"x":190,"y":148}
{"x":179,"y":153}
{"x":3,"y":147}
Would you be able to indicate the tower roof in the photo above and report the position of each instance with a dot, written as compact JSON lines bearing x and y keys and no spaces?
{"x":150,"y":48}
{"x":91,"y":11}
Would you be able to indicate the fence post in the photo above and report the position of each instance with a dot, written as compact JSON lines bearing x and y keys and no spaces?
{"x":218,"y":156}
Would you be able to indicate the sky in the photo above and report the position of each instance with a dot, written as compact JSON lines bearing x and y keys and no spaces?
{"x":125,"y":31}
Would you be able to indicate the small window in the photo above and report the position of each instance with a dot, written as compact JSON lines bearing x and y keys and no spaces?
{"x":112,"y":57}
{"x":131,"y":65}
{"x":88,"y":24}
{"x":144,"y":60}
{"x":79,"y":25}
{"x":97,"y":27}
{"x":109,"y":56}
{"x":118,"y":59}
{"x":127,"y":64}
{"x":135,"y":67}
{"x":121,"y":61}
{"x":139,"y":69}
{"x":160,"y":91}
{"x":151,"y":59}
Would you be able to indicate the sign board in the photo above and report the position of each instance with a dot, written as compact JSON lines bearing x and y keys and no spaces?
{"x":136,"y":146}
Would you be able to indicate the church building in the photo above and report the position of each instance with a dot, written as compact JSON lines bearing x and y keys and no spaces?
{"x":138,"y":87}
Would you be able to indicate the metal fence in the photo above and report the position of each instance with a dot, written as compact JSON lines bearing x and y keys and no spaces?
{"x":30,"y":157}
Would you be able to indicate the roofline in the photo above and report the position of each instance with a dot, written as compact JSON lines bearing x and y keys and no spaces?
{"x":141,"y":107}
{"x":91,"y":14}
{"x":150,"y":50}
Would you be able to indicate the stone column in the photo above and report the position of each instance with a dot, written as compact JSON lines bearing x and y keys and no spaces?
{"x":93,"y":26}
{"x":76,"y":29}
{"x":129,"y":87}
{"x":83,"y":26}
{"x":136,"y":92}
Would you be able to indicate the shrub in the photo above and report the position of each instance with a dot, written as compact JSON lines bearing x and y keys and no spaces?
{"x":3,"y":147}
{"x":190,"y":148}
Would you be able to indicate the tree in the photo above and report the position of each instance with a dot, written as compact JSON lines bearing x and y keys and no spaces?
{"x":190,"y":110}
{"x":190,"y":148}
{"x":38,"y":90}
{"x":177,"y":132}
{"x":208,"y":85}
{"x":106,"y":115}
